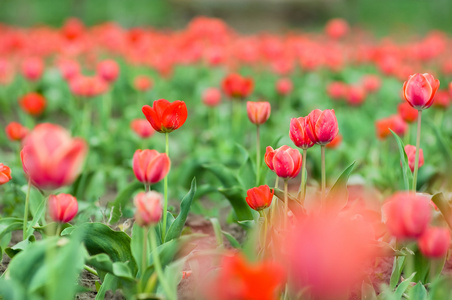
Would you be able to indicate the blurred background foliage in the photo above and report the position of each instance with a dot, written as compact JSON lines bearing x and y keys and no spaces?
{"x":382,"y":17}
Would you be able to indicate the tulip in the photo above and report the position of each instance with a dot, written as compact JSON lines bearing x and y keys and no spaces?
{"x":16,"y":131}
{"x":142,"y":83}
{"x":441,"y":99}
{"x":166,"y":116}
{"x":395,"y":123}
{"x":284,"y":86}
{"x":284,"y":161}
{"x":259,"y":198}
{"x":336,"y":90}
{"x":336,"y":28}
{"x":5,"y":174}
{"x":32,"y":68}
{"x":322,"y":126}
{"x":236,"y":86}
{"x":108,"y":70}
{"x":142,"y":128}
{"x":33,"y":104}
{"x":408,"y":113}
{"x":298,"y":133}
{"x":419,"y":90}
{"x":371,"y":83}
{"x":62,"y":207}
{"x":148,"y":208}
{"x":407,"y":214}
{"x":435,"y":242}
{"x":150,"y":166}
{"x":69,"y":69}
{"x":258,"y":112}
{"x":51,"y":158}
{"x":410,"y":151}
{"x":84,"y":86}
{"x":211,"y":97}
{"x":335,"y":142}
{"x":356,"y":95}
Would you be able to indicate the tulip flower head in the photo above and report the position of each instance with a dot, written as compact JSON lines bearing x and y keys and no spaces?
{"x":32,"y":68}
{"x":336,"y":90}
{"x":322,"y":126}
{"x":259,"y":198}
{"x":336,"y":28}
{"x":211,"y":97}
{"x":142,"y":83}
{"x":371,"y":83}
{"x":108,"y":70}
{"x":5,"y":174}
{"x":69,"y":69}
{"x":284,"y":161}
{"x":410,"y":151}
{"x":356,"y":95}
{"x":336,"y":142}
{"x":166,"y":116}
{"x":408,"y":113}
{"x":258,"y":112}
{"x":148,"y":208}
{"x":394,"y":123}
{"x":419,"y":90}
{"x":150,"y":166}
{"x":16,"y":131}
{"x":142,"y":128}
{"x":62,"y":207}
{"x":236,"y":86}
{"x":284,"y":86}
{"x":33,"y":104}
{"x":298,"y":133}
{"x":435,"y":242}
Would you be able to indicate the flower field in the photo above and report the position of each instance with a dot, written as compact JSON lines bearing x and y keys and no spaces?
{"x":202,"y":163}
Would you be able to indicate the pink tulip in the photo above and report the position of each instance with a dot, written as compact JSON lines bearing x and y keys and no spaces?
{"x":322,"y":126}
{"x":284,"y":161}
{"x":420,"y":89}
{"x":62,"y":207}
{"x":148,"y":208}
{"x":435,"y":242}
{"x":258,"y":112}
{"x":150,"y":166}
{"x":410,"y":151}
{"x":298,"y":133}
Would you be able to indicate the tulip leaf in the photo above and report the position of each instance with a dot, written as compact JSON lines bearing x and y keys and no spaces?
{"x":217,"y":230}
{"x":406,"y":172}
{"x":444,"y":207}
{"x":368,"y":292}
{"x":176,"y":227}
{"x":110,"y":282}
{"x":294,"y":205}
{"x":8,"y":225}
{"x":442,"y":144}
{"x":418,"y":292}
{"x":397,"y":268}
{"x":236,"y":196}
{"x":123,"y":198}
{"x":225,"y":175}
{"x":403,"y":286}
{"x":37,"y":216}
{"x":234,"y":243}
{"x":338,"y":195}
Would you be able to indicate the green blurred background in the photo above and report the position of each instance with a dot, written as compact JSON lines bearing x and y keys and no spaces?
{"x":380,"y":16}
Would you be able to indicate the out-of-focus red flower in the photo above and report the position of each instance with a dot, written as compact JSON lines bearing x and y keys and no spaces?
{"x":150,"y":166}
{"x":355,"y":95}
{"x":166,"y":116}
{"x":441,"y":99}
{"x":322,"y":126}
{"x":394,"y":122}
{"x":284,"y":161}
{"x":69,"y":69}
{"x":16,"y":131}
{"x":284,"y":86}
{"x":72,"y":29}
{"x":62,"y":207}
{"x":142,"y":128}
{"x":5,"y":174}
{"x":336,"y":28}
{"x":84,"y":86}
{"x":407,"y":214}
{"x":435,"y":242}
{"x":33,"y":103}
{"x":50,"y":157}
{"x":108,"y":70}
{"x":211,"y":97}
{"x":336,"y":142}
{"x":237,"y":279}
{"x":336,"y":90}
{"x":408,"y":113}
{"x":260,"y":197}
{"x":236,"y":86}
{"x":6,"y":72}
{"x":32,"y":68}
{"x":258,"y":112}
{"x":410,"y":151}
{"x":298,"y":133}
{"x":371,"y":83}
{"x":142,"y":83}
{"x":419,"y":90}
{"x":149,"y":208}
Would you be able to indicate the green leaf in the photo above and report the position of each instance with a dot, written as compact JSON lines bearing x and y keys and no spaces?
{"x":124,"y":197}
{"x":418,"y":292}
{"x":444,"y":207}
{"x":403,"y":287}
{"x":236,"y":197}
{"x":8,"y":225}
{"x":294,"y":205}
{"x":234,"y":243}
{"x":443,"y":146}
{"x":338,"y":195}
{"x":368,"y":292}
{"x":37,"y":216}
{"x":110,"y":283}
{"x":176,"y":227}
{"x":217,"y":230}
{"x":225,"y":175}
{"x":406,"y":171}
{"x":397,"y":268}
{"x":101,"y":262}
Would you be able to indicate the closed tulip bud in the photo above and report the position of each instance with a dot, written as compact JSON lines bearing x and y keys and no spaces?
{"x":142,"y":83}
{"x":284,"y":161}
{"x":322,"y":126}
{"x":108,"y":70}
{"x":435,"y":242}
{"x":62,"y":207}
{"x":148,"y":208}
{"x":150,"y":166}
{"x":371,"y":83}
{"x":395,"y":123}
{"x":442,"y":99}
{"x":356,"y":95}
{"x":410,"y":151}
{"x":166,"y":116}
{"x":236,"y":86}
{"x":336,"y":28}
{"x":420,"y":89}
{"x":51,"y":158}
{"x":298,"y":133}
{"x":84,"y":86}
{"x":15,"y":131}
{"x":258,"y":112}
{"x":336,"y":142}
{"x":142,"y":128}
{"x":408,"y":113}
{"x":32,"y":68}
{"x":407,"y":214}
{"x":211,"y":97}
{"x":69,"y":69}
{"x":284,"y":86}
{"x":259,"y":198}
{"x":336,"y":90}
{"x":33,"y":104}
{"x":5,"y":174}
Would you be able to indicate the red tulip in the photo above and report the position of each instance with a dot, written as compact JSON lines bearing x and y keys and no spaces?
{"x":16,"y":131}
{"x":441,"y":99}
{"x":150,"y":166}
{"x":5,"y":174}
{"x":284,"y":86}
{"x":142,"y":83}
{"x":410,"y":151}
{"x":322,"y":126}
{"x":62,"y":207}
{"x":298,"y":133}
{"x":335,"y":142}
{"x":371,"y":83}
{"x":33,"y":103}
{"x":236,"y":86}
{"x":356,"y":95}
{"x":211,"y":97}
{"x":84,"y":86}
{"x":435,"y":242}
{"x":108,"y":70}
{"x":408,"y":215}
{"x":336,"y":28}
{"x":259,"y":198}
{"x":142,"y":128}
{"x":395,"y":123}
{"x":32,"y":68}
{"x":408,"y":113}
{"x":420,"y":89}
{"x":336,"y":90}
{"x":50,"y":157}
{"x":166,"y":116}
{"x":284,"y":161}
{"x":258,"y":112}
{"x":149,"y":208}
{"x":69,"y":69}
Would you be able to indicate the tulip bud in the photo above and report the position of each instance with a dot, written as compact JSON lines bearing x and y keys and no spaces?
{"x":441,"y":99}
{"x":410,"y":151}
{"x":335,"y":142}
{"x":284,"y":86}
{"x":150,"y":166}
{"x":336,"y":90}
{"x":371,"y":83}
{"x":435,"y":242}
{"x":84,"y":86}
{"x":322,"y":126}
{"x":32,"y":68}
{"x":149,"y":208}
{"x":407,"y":214}
{"x":236,"y":86}
{"x":142,"y":128}
{"x":108,"y":70}
{"x":356,"y":95}
{"x":142,"y":83}
{"x":33,"y":104}
{"x":5,"y":174}
{"x":420,"y":89}
{"x":284,"y":161}
{"x":211,"y":97}
{"x":62,"y":207}
{"x":298,"y":133}
{"x":408,"y":113}
{"x":166,"y":116}
{"x":259,"y":198}
{"x":395,"y":123}
{"x":69,"y":69}
{"x":336,"y":28}
{"x":258,"y":112}
{"x":15,"y":131}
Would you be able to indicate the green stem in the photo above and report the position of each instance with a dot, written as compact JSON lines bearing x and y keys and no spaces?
{"x":147,"y":187}
{"x":264,"y":231}
{"x":106,"y":110}
{"x":144,"y":257}
{"x":91,"y":270}
{"x":302,"y":192}
{"x":27,"y":200}
{"x":286,"y":202}
{"x":274,"y":203}
{"x":322,"y":149}
{"x":86,"y":119}
{"x":158,"y":267}
{"x":258,"y":155}
{"x":58,"y":229}
{"x":418,"y":141}
{"x":165,"y":192}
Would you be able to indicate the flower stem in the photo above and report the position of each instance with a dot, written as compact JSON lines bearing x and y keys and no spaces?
{"x":286,"y":202}
{"x":27,"y":200}
{"x":274,"y":203}
{"x":302,"y":192}
{"x":258,"y":155}
{"x":165,"y":192}
{"x":418,"y":141}
{"x":264,"y":231}
{"x":147,"y":187}
{"x":144,"y":257}
{"x":322,"y":149}
{"x":158,"y":267}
